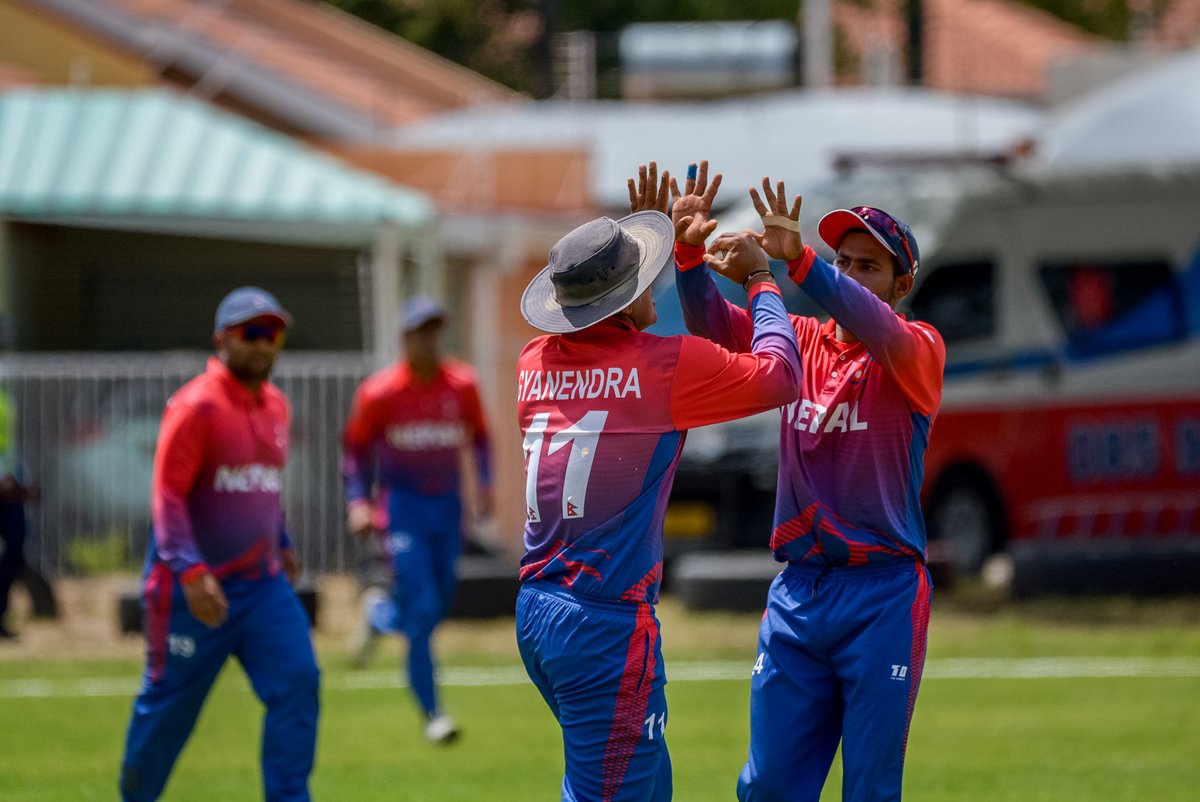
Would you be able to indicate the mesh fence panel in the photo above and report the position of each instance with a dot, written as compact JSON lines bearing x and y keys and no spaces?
{"x":86,"y":426}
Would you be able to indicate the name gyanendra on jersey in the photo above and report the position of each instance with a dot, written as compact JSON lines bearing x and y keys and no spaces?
{"x":253,"y":478}
{"x":567,"y":385}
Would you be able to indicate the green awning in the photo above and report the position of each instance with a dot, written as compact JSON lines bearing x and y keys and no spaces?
{"x":154,"y":160}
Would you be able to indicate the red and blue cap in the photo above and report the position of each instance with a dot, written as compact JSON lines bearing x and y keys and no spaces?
{"x":248,"y":303}
{"x":891,"y":232}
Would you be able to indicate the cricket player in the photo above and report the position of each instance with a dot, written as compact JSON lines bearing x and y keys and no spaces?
{"x":403,"y":439}
{"x":842,"y":644}
{"x":220,"y":561}
{"x":604,"y":408}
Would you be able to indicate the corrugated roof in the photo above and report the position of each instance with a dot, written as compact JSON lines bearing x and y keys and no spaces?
{"x":153,"y":160}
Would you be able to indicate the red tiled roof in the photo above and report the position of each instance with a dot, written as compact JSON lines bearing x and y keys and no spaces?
{"x":13,"y":76}
{"x":996,"y":47}
{"x":1179,"y":25}
{"x":324,"y":51}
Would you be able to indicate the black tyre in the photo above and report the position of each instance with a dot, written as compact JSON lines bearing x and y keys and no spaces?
{"x":965,"y":516}
{"x":129,"y":612}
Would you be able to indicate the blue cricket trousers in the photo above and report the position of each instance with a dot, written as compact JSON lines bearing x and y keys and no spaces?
{"x":599,"y":666}
{"x":267,"y":631}
{"x":424,"y":542}
{"x":840,"y":656}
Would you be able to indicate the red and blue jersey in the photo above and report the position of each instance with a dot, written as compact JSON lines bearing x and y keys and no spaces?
{"x":407,"y":432}
{"x":852,"y":446}
{"x":218,"y":476}
{"x":603,"y":412}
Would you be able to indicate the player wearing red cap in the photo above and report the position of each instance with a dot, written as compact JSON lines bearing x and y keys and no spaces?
{"x":842,"y":643}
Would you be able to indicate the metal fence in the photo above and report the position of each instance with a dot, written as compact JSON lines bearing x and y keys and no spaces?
{"x":86,"y":427}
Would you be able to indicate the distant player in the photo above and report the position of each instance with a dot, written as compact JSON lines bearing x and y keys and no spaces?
{"x":219,"y":564}
{"x":404,"y":437}
{"x":603,"y":407}
{"x":13,"y":495}
{"x":842,"y":644}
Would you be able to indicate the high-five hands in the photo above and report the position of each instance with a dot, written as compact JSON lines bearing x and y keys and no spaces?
{"x":692,"y":209}
{"x":651,"y":193}
{"x":734,"y":256}
{"x":738,"y":256}
{"x":781,"y":226}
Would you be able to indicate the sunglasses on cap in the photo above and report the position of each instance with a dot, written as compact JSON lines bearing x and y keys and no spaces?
{"x":250,"y":332}
{"x":893,"y":231}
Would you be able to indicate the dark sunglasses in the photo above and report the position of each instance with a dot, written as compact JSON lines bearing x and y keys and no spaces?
{"x":249,"y":332}
{"x":882,"y":221}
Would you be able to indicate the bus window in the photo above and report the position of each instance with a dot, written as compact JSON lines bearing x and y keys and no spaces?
{"x":1106,"y":307}
{"x":958,"y":300}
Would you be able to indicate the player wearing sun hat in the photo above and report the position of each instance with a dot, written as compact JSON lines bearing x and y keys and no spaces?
{"x":604,"y":407}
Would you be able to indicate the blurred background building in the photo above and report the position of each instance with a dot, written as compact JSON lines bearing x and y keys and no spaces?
{"x":155,"y":153}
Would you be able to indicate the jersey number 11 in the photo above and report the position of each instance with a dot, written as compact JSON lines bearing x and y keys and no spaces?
{"x":583,"y":437}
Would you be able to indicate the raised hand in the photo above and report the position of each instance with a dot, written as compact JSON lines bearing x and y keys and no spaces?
{"x":692,"y":209}
{"x":736,"y":256}
{"x":651,"y":193}
{"x":781,"y":227}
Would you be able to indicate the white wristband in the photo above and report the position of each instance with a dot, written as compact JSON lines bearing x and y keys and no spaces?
{"x":779,"y":221}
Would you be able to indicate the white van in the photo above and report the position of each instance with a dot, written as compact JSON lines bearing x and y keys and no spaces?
{"x":1070,"y":423}
{"x":1069,"y":431}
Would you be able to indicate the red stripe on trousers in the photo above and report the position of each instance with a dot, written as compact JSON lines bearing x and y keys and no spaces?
{"x":633,"y":697}
{"x":916,"y":661}
{"x":159,"y":586}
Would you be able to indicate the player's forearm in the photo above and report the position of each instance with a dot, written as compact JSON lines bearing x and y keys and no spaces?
{"x":706,"y":313}
{"x":775,"y":336}
{"x":356,"y":479}
{"x":483,"y":462}
{"x":174,"y":539}
{"x":856,"y":309}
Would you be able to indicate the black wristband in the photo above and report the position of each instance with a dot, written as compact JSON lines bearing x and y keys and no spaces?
{"x":746,"y":283}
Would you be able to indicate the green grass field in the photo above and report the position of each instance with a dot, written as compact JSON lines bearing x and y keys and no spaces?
{"x":1052,"y":701}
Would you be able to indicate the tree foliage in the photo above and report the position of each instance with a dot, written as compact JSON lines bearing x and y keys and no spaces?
{"x":511,"y":41}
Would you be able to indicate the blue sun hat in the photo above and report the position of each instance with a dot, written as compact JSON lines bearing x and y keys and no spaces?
{"x":597,"y":270}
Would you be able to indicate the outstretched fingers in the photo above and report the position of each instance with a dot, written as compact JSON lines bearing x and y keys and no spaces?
{"x":651,"y":192}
